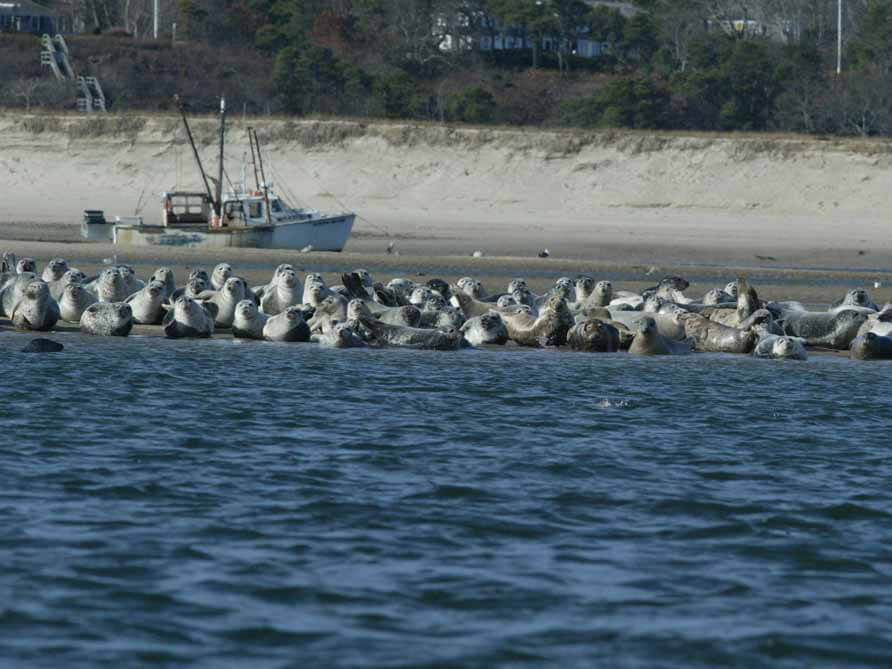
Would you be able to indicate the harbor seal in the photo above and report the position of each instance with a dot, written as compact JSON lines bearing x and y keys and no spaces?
{"x":145,"y":304}
{"x":37,"y":310}
{"x":13,"y":291}
{"x":74,"y":301}
{"x":832,"y":330}
{"x":331,"y":310}
{"x":107,"y":319}
{"x":248,"y":321}
{"x":188,"y":318}
{"x":858,"y":299}
{"x":648,"y":341}
{"x":70,"y":277}
{"x":593,"y":336}
{"x":780,"y":347}
{"x":486,"y":329}
{"x":871,"y":346}
{"x":712,"y":337}
{"x":287,"y":326}
{"x":549,"y":328}
{"x":166,"y":277}
{"x":220,"y":274}
{"x":341,"y":336}
{"x":39,"y":345}
{"x":54,"y":270}
{"x":26,"y":266}
{"x":285,"y":290}
{"x":382,"y":334}
{"x":232,"y":292}
{"x":109,"y":286}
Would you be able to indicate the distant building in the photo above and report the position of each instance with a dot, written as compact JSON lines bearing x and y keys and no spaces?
{"x":23,"y":16}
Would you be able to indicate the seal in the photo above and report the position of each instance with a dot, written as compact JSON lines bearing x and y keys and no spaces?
{"x":285,"y":290}
{"x":486,"y":329}
{"x":232,"y":292}
{"x":39,"y":345}
{"x":74,"y":301}
{"x":712,"y":337}
{"x":37,"y":310}
{"x":593,"y":336}
{"x":857,"y":299}
{"x":260,"y":290}
{"x":189,"y":318}
{"x":548,"y":329}
{"x":648,"y":341}
{"x":70,"y":277}
{"x":26,"y":266}
{"x":442,"y":318}
{"x":408,"y":315}
{"x":331,"y":310}
{"x":248,"y":321}
{"x":747,"y":303}
{"x":218,"y":277}
{"x":166,"y":277}
{"x":145,"y":304}
{"x":832,"y":330}
{"x":14,"y":290}
{"x":107,"y":319}
{"x":668,"y":325}
{"x":128,"y":274}
{"x":779,"y":347}
{"x":716,"y":297}
{"x":109,"y":286}
{"x":341,"y":336}
{"x":288,"y":325}
{"x":55,"y":269}
{"x":879,"y":323}
{"x":315,"y":290}
{"x":871,"y":346}
{"x":382,"y":334}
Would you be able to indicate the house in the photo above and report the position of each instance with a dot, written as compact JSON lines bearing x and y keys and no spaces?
{"x":23,"y":16}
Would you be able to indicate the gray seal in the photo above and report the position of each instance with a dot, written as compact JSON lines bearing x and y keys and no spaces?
{"x":74,"y":301}
{"x":146,"y":304}
{"x":107,"y":319}
{"x":648,"y":341}
{"x":871,"y":346}
{"x":189,"y":318}
{"x":594,"y":336}
{"x":486,"y":329}
{"x":780,"y":347}
{"x":37,"y":310}
{"x":248,"y":322}
{"x":288,"y":325}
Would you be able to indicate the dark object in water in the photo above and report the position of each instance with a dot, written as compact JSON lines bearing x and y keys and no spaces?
{"x":40,"y":345}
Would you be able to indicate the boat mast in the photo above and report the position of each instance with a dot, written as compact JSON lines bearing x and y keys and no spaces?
{"x":253,"y":158}
{"x":263,"y":176}
{"x":218,"y":202}
{"x":204,"y":177}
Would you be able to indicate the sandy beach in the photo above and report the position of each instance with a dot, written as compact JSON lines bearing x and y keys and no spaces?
{"x":803,"y":218}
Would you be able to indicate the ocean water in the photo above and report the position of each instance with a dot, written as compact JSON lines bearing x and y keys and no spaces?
{"x":245,"y":504}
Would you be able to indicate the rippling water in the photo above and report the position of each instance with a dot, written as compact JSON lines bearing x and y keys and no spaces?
{"x":220,"y":503}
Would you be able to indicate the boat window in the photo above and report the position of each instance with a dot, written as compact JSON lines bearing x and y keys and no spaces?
{"x":275,"y":205}
{"x":255,"y":209}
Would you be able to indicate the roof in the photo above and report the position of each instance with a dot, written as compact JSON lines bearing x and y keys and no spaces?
{"x":23,"y":8}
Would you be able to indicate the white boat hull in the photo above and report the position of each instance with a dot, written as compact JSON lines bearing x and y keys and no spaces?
{"x":327,"y":233}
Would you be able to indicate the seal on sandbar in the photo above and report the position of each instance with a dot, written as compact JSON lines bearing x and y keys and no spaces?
{"x":486,"y":329}
{"x":248,"y":321}
{"x":37,"y":310}
{"x":648,"y":341}
{"x":107,"y":319}
{"x":189,"y":318}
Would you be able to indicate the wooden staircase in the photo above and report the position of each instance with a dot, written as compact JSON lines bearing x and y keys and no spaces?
{"x":54,"y":54}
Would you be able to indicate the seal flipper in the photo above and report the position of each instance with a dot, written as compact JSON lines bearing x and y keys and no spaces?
{"x":211,"y":308}
{"x":353,"y":285}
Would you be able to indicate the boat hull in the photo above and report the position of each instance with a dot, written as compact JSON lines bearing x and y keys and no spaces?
{"x":329,"y":233}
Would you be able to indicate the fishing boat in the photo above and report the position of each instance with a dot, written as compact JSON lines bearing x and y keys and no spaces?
{"x":242,"y":217}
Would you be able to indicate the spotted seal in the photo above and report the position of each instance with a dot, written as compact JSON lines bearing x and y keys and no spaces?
{"x":248,"y":321}
{"x":287,"y":326}
{"x":189,"y":318}
{"x":146,"y":304}
{"x":871,"y":346}
{"x":486,"y":329}
{"x":36,"y":310}
{"x":780,"y":347}
{"x":74,"y":301}
{"x":648,"y":341}
{"x":593,"y":336}
{"x":107,"y":319}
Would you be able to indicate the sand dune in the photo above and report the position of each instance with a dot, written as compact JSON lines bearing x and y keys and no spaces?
{"x":440,"y":190}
